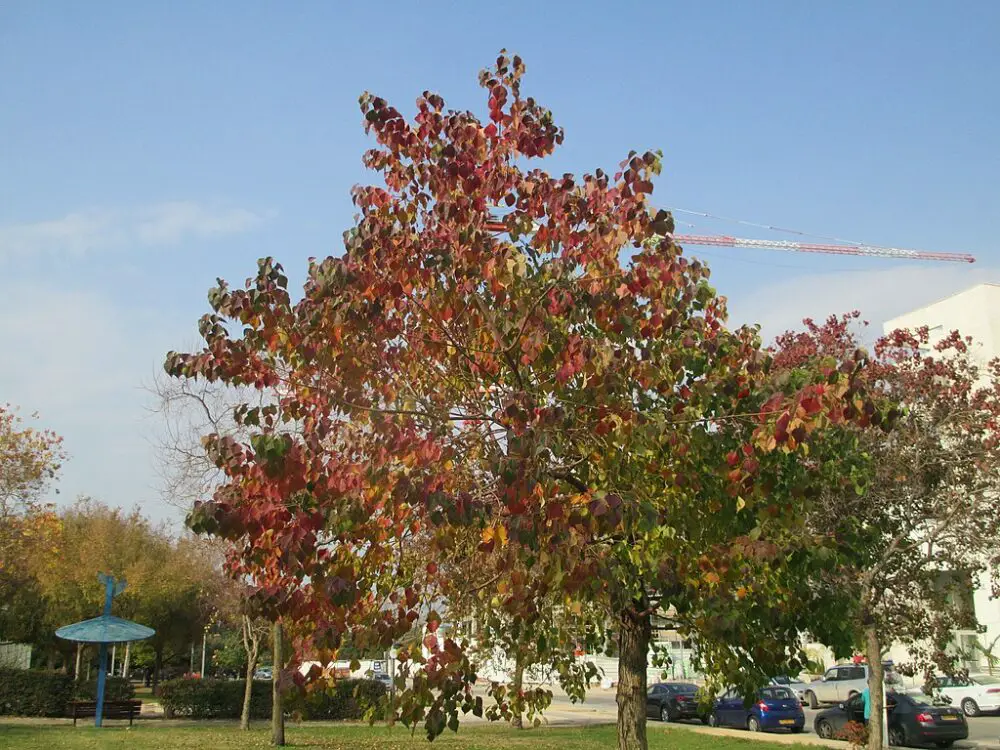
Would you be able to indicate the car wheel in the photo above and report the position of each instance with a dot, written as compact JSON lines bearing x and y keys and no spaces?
{"x":811,"y":699}
{"x":713,"y":720}
{"x":753,"y":724}
{"x":970,"y":707}
{"x":897,"y":736}
{"x":824,"y":729}
{"x":851,"y":694}
{"x":704,"y":719}
{"x":665,"y":714}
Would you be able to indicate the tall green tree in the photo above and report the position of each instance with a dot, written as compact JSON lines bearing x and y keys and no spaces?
{"x":529,"y":357}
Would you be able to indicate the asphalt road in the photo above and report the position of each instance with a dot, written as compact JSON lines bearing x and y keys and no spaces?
{"x":600,"y":705}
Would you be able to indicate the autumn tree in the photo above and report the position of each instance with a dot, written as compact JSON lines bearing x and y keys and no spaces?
{"x":529,"y":356}
{"x":30,"y":459}
{"x":498,"y":642}
{"x":917,"y":519}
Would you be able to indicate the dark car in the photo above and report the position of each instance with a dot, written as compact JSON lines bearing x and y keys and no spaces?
{"x":774,"y":707}
{"x":911,"y":721}
{"x":673,"y":701}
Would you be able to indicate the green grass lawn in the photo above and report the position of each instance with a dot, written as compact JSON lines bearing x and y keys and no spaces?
{"x":159,"y":735}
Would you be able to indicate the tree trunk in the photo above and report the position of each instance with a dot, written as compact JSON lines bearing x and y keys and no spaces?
{"x":517,"y":686}
{"x":277,"y":709}
{"x":157,"y":668}
{"x":251,"y":645}
{"x":248,"y":693}
{"x":875,"y":679}
{"x":128,"y":660}
{"x":633,"y":653}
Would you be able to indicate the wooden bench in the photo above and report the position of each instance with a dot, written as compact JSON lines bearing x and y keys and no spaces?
{"x":112,"y":710}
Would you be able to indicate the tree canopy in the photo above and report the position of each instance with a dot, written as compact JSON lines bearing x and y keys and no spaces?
{"x":916,"y":518}
{"x":530,"y":357}
{"x":30,"y":459}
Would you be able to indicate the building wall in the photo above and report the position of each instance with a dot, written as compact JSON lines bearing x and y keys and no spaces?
{"x":976,"y":313}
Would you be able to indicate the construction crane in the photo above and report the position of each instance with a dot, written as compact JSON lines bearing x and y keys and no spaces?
{"x":871,"y":251}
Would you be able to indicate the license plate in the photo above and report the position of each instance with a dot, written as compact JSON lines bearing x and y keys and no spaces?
{"x":786,"y":721}
{"x":949,"y":718}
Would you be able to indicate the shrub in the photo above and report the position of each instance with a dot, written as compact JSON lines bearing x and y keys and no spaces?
{"x":115,"y":689}
{"x":223,"y":699}
{"x":345,"y":699}
{"x":855,"y":732}
{"x":214,"y":699}
{"x":34,"y":693}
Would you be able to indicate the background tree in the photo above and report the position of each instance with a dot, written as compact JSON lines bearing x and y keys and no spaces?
{"x":171,"y":583}
{"x":918,"y":518}
{"x":567,"y":388}
{"x":29,"y":461}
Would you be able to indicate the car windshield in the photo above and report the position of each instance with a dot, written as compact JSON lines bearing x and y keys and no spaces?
{"x":686,"y":689}
{"x":781,"y":680}
{"x":776,"y":694}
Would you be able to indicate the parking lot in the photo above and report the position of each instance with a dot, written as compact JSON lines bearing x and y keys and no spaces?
{"x":600,"y":706}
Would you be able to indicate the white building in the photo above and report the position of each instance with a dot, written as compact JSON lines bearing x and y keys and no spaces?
{"x":976,"y":313}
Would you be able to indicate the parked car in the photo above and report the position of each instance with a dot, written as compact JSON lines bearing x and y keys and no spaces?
{"x":966,"y":693}
{"x":775,"y":707}
{"x":673,"y":701}
{"x":910,"y":721}
{"x":792,"y":683}
{"x":842,"y":682}
{"x":263,"y":673}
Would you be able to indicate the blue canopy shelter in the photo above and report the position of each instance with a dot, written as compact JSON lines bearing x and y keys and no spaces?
{"x":104,"y":630}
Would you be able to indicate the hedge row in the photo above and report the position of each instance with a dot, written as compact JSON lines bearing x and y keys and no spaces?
{"x":213,"y":699}
{"x":223,"y":699}
{"x":36,"y":693}
{"x":347,"y":699}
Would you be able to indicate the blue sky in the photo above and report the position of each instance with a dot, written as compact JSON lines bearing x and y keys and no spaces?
{"x":149,"y":148}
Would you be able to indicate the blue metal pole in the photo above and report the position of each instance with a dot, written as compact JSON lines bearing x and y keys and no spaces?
{"x":102,"y":671}
{"x":109,"y":592}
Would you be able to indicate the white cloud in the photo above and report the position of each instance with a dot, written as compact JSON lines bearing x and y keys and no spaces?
{"x":878,"y":295}
{"x":103,"y":229}
{"x":81,"y":362}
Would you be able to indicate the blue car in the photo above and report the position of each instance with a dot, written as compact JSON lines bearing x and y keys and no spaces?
{"x":774,"y":708}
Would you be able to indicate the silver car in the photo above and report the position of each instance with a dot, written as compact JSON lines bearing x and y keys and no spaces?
{"x":795,"y":685}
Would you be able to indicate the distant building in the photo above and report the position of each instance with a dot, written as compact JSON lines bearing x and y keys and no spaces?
{"x":976,"y":313}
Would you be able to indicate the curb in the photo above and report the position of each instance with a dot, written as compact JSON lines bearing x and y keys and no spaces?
{"x":739,"y":734}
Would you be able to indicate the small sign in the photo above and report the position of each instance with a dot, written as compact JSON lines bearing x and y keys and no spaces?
{"x":376,"y":666}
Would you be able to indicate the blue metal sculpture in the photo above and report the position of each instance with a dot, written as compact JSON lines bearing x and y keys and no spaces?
{"x":104,"y":630}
